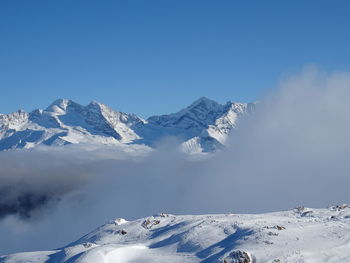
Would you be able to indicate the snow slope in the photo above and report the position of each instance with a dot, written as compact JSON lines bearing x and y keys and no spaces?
{"x":298,"y":235}
{"x":201,"y":127}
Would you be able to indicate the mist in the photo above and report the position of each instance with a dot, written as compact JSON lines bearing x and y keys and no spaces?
{"x":292,"y":151}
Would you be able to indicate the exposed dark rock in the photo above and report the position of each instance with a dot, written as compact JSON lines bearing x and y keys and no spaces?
{"x":237,"y":256}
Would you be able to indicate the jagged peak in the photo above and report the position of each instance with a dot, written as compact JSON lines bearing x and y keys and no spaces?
{"x":18,"y":112}
{"x":21,"y":111}
{"x":96,"y":106}
{"x":248,"y":107}
{"x":104,"y":107}
{"x":204,"y":100}
{"x":203,"y":103}
{"x":95,"y":103}
{"x":60,"y":104}
{"x":99,"y":105}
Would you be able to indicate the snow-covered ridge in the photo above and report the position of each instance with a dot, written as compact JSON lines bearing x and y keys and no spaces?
{"x":202,"y":127}
{"x":297,"y":235}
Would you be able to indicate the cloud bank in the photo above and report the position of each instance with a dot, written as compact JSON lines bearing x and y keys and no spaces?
{"x":293,"y":151}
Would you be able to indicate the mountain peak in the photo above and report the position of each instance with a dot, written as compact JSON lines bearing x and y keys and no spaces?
{"x":96,"y":106}
{"x":204,"y":104}
{"x":21,"y":111}
{"x":59,"y":105}
{"x":95,"y":102}
{"x":203,"y":100}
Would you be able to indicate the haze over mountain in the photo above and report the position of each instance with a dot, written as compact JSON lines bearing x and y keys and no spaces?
{"x":201,"y":127}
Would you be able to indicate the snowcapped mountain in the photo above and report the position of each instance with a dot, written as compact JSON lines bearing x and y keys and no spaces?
{"x":297,"y":235}
{"x":202,"y":127}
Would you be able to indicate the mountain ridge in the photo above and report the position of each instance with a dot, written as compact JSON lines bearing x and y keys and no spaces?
{"x":203,"y":126}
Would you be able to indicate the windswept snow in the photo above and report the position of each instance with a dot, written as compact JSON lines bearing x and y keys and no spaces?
{"x":298,"y":235}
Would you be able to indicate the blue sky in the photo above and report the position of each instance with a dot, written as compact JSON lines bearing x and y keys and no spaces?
{"x":151,"y":57}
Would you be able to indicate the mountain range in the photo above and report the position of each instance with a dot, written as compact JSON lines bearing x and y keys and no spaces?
{"x":201,"y":127}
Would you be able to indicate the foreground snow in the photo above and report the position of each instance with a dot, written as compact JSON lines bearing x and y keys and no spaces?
{"x":298,"y":235}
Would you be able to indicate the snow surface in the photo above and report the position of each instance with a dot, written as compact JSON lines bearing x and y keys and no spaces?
{"x":201,"y":127}
{"x":298,"y":235}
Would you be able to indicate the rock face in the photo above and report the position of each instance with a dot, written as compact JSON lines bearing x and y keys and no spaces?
{"x":237,"y":256}
{"x":201,"y":127}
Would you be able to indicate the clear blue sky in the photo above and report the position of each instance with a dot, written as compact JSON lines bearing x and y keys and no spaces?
{"x":150,"y":57}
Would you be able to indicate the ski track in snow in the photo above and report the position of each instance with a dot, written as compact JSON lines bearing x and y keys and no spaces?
{"x":298,"y":235}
